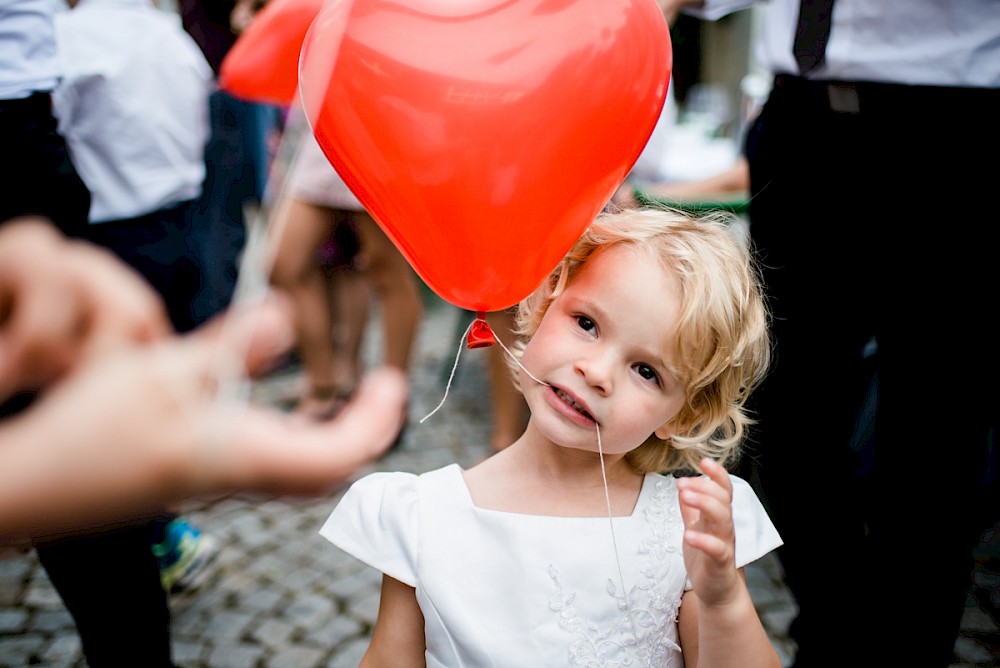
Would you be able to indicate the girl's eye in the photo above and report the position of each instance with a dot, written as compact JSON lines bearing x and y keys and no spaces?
{"x":646,"y":372}
{"x":585,"y":323}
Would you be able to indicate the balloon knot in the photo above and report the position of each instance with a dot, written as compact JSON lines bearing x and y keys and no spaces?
{"x":480,"y":335}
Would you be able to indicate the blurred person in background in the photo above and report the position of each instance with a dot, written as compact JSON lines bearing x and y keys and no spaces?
{"x":132,"y":104}
{"x":36,"y":175}
{"x":317,"y":209}
{"x":237,"y":158}
{"x":872,"y":142}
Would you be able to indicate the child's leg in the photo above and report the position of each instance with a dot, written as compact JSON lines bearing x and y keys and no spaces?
{"x":300,"y":229}
{"x":350,"y":301}
{"x":397,"y":287}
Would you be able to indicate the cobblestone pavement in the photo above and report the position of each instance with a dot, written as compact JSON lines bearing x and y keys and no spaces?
{"x":279,"y":596}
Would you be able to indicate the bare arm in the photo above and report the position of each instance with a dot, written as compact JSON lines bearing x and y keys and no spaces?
{"x":136,"y":428}
{"x":398,"y":639}
{"x":733,"y":180}
{"x":718,"y":623}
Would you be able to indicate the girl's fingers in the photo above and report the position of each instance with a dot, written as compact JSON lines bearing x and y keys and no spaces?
{"x":706,"y":505}
{"x":711,"y":545}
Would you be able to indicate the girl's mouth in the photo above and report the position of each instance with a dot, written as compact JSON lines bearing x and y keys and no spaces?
{"x":568,"y":400}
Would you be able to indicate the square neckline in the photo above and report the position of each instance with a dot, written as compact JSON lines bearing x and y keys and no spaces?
{"x":640,"y":502}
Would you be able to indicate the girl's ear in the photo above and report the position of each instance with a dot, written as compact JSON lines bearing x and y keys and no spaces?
{"x":664,"y":431}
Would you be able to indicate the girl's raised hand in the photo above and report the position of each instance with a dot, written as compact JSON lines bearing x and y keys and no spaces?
{"x":709,"y":536}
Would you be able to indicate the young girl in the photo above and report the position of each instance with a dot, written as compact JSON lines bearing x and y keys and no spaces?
{"x":575,"y":545}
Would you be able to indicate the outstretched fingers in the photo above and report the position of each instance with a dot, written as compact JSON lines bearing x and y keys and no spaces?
{"x":261,"y":449}
{"x":706,"y":507}
{"x":266,"y":451}
{"x":709,"y":534}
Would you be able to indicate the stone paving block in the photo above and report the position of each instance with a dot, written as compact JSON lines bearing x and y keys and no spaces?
{"x":209,"y":597}
{"x":189,"y":652}
{"x":64,"y":650}
{"x":269,"y":566}
{"x":236,"y":582}
{"x":237,"y":655}
{"x":189,"y":624}
{"x":12,"y":620}
{"x":14,"y":568}
{"x":250,"y":530}
{"x":365,"y":607}
{"x":337,"y":631}
{"x":785,"y":650}
{"x":298,"y":657}
{"x":308,"y":611}
{"x":302,"y":578}
{"x":777,"y":620}
{"x":273,"y":633}
{"x":22,"y":650}
{"x":349,"y":656}
{"x":41,"y":594}
{"x":349,"y":586}
{"x":11,"y":594}
{"x":972,"y":652}
{"x":51,"y":620}
{"x":229,"y":625}
{"x":262,"y":599}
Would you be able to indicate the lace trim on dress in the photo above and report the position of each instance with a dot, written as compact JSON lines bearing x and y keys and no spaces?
{"x":653,"y":603}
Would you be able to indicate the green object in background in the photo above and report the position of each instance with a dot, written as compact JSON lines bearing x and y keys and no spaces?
{"x":736,"y":203}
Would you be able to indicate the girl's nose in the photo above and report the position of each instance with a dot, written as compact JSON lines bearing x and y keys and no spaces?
{"x":597,"y":369}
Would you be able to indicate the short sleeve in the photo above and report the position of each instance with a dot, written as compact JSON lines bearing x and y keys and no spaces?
{"x":376,"y":522}
{"x":755,"y":533}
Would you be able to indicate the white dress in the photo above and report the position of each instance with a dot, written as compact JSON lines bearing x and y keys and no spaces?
{"x":505,"y":590}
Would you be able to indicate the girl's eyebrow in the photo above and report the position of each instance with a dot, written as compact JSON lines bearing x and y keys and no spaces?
{"x":587,"y":305}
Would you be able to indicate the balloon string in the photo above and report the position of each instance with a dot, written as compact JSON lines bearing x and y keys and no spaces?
{"x":454,"y":366}
{"x":518,"y":363}
{"x":451,"y":376}
{"x":614,"y":540}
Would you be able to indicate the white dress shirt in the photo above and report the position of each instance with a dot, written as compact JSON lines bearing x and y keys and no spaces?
{"x":28,"y":60}
{"x":918,"y":42}
{"x":133,"y":106}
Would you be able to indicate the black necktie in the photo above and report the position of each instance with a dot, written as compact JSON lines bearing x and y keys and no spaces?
{"x":812,"y":33}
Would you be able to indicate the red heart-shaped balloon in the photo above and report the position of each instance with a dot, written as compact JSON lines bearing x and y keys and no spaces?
{"x":263,"y":63}
{"x":484,"y":135}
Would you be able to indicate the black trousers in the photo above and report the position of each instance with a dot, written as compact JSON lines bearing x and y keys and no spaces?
{"x":874,"y":213}
{"x":36,"y":176}
{"x":109,"y":580}
{"x":232,"y":181}
{"x":163,"y":246}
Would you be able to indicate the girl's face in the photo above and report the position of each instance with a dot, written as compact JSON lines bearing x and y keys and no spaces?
{"x":604,"y":347}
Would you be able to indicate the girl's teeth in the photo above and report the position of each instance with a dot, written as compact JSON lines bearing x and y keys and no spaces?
{"x":566,"y":398}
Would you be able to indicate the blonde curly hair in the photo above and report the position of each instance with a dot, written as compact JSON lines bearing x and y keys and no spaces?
{"x":723,"y":343}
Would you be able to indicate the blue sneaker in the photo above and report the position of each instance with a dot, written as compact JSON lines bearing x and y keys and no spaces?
{"x":184,"y":556}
